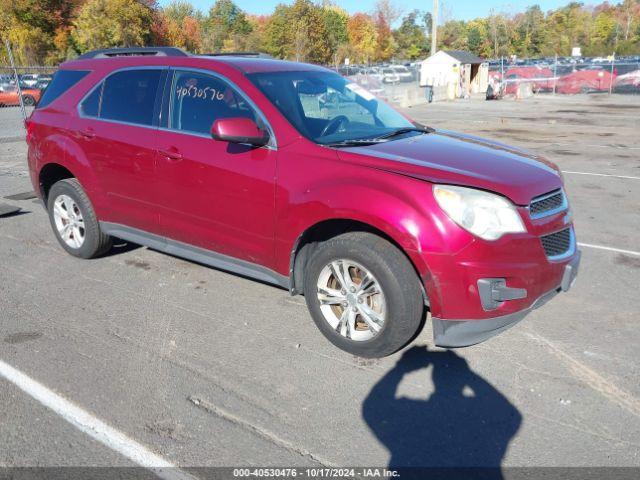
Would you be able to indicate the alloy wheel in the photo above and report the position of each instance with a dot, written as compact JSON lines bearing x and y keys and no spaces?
{"x":351,"y":300}
{"x":69,"y":221}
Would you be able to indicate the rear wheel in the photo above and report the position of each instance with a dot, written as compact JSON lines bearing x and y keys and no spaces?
{"x":363,"y":294}
{"x":74,"y":222}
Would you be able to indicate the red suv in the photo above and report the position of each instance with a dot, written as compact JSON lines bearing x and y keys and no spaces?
{"x":293,"y":175}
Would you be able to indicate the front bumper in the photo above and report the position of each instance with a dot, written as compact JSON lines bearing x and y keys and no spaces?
{"x":463,"y":333}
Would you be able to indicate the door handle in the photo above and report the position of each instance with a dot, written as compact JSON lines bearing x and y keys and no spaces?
{"x":171,"y":154}
{"x":87,"y":133}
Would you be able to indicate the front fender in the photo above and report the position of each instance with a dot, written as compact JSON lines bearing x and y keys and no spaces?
{"x":401,"y":207}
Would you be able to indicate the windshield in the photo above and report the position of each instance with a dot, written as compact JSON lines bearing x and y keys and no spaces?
{"x":327,"y":108}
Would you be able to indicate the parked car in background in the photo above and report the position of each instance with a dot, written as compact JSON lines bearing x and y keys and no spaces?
{"x":389,"y":75}
{"x":585,"y":81}
{"x":43,"y":82}
{"x":374,"y":73}
{"x":292,"y":174}
{"x":9,"y":96}
{"x":28,"y":79}
{"x":349,"y":70}
{"x":627,"y":83}
{"x":540,"y":79}
{"x":404,"y":74}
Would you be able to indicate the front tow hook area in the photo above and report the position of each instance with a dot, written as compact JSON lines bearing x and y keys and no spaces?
{"x":494,"y":291}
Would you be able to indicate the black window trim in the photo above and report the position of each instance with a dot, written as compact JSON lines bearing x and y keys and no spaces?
{"x":156,"y":111}
{"x":272,"y":145}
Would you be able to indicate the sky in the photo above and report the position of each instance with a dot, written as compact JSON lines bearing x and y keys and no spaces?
{"x":453,"y":9}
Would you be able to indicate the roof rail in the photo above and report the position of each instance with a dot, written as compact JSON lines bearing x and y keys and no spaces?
{"x":238,"y":54}
{"x":134,"y":51}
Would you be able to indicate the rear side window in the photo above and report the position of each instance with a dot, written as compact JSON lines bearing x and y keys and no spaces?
{"x":62,"y":81}
{"x":130,"y":96}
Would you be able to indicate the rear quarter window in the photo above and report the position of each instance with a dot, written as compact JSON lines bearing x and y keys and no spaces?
{"x":62,"y":81}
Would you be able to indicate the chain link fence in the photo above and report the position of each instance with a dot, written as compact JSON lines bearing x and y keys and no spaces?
{"x":509,"y":80}
{"x":565,"y":77}
{"x":20,"y":90}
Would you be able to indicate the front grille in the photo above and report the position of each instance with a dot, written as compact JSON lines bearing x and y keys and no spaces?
{"x":557,"y":243}
{"x":547,"y":203}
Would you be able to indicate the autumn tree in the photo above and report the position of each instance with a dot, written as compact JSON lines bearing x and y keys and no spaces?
{"x":112,"y":23}
{"x":362,"y":37}
{"x":410,"y":36}
{"x":183,"y":26}
{"x":277,"y":32}
{"x":298,"y":32}
{"x":49,"y":31}
{"x":335,"y":24}
{"x":384,"y":15}
{"x":37,"y":29}
{"x":226,"y":28}
{"x":531,"y":32}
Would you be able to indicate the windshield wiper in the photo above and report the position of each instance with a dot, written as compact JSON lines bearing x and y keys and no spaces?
{"x":401,"y":131}
{"x":359,"y":142}
{"x":354,"y":142}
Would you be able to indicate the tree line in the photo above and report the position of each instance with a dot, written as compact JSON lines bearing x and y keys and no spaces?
{"x":51,"y":31}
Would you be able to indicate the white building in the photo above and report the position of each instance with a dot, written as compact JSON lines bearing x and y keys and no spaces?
{"x":455,"y":71}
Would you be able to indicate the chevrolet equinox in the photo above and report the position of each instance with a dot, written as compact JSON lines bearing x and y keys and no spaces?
{"x":290,"y":174}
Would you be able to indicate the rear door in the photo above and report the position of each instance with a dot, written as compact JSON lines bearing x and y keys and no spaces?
{"x":117,"y":127}
{"x":215,"y":195}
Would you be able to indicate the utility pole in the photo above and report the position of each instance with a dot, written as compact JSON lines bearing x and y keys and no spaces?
{"x":434,"y":27}
{"x":613,"y":59}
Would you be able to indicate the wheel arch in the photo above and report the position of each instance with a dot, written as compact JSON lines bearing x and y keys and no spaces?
{"x":61,"y":157}
{"x":49,"y":174}
{"x":306,"y":243}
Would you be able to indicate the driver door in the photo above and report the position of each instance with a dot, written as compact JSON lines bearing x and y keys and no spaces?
{"x":213,"y":194}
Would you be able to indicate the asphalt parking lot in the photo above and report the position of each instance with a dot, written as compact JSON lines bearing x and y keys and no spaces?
{"x":204,"y":368}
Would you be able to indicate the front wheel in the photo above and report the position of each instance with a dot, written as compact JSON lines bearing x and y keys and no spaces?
{"x":363,"y":294}
{"x":74,"y":221}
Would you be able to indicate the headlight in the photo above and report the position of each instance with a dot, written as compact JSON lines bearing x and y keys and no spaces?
{"x":484,"y":214}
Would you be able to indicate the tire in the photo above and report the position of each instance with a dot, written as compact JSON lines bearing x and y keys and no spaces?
{"x":94,"y":243}
{"x":401,"y":293}
{"x":28,"y":100}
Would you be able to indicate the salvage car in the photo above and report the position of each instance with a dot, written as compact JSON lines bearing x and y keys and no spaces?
{"x":585,"y":81}
{"x":377,"y":220}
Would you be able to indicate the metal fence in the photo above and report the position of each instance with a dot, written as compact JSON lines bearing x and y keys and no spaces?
{"x":518,"y":80}
{"x":565,"y":77}
{"x":20,"y":90}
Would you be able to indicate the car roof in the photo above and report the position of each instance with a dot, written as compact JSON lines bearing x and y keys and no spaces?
{"x":246,"y":65}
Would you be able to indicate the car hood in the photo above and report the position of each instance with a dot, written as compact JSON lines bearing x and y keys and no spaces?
{"x":454,"y":158}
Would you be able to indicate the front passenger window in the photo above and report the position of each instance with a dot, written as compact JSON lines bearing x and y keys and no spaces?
{"x":198,"y":99}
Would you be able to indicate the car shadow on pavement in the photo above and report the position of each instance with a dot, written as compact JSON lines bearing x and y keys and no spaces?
{"x":464,"y":422}
{"x":121,"y":246}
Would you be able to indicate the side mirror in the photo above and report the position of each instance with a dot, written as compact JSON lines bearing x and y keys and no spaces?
{"x":239,"y":130}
